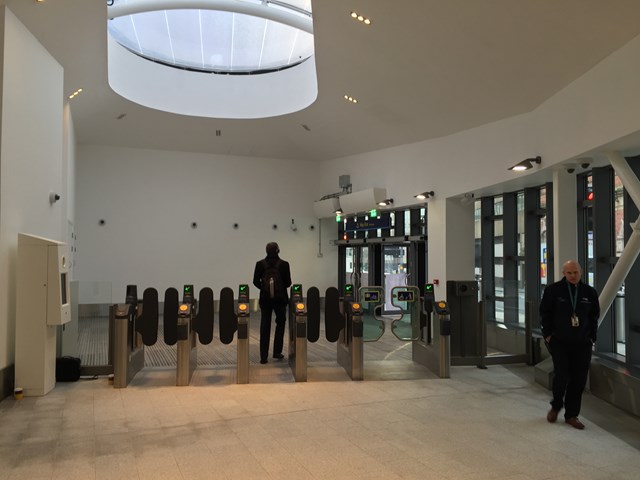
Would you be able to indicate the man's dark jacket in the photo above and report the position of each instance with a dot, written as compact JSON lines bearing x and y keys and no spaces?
{"x":285,"y":275}
{"x":556,"y":310}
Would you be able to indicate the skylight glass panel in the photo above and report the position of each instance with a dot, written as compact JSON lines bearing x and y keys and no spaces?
{"x":217,"y":41}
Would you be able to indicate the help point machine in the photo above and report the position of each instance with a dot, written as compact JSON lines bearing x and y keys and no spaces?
{"x":43,"y":303}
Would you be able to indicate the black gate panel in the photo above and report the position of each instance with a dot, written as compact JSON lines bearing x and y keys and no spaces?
{"x":333,"y":319}
{"x":228,"y":323}
{"x":147,"y":323}
{"x":313,"y":314}
{"x":171,"y":316}
{"x":204,"y":320}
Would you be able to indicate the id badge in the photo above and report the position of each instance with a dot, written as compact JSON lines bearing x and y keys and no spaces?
{"x":574,"y":321}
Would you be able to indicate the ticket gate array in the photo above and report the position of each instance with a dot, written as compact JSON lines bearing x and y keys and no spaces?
{"x":186,"y":323}
{"x":350,"y":321}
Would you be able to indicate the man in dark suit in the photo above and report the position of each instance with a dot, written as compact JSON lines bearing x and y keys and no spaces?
{"x":569,"y":313}
{"x":275,"y":299}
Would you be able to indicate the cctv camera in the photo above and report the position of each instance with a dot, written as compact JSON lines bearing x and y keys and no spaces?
{"x":571,"y":169}
{"x":585,"y":165}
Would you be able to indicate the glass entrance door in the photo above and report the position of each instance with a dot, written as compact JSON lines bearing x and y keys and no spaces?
{"x":396,"y":271}
{"x":356,"y":266}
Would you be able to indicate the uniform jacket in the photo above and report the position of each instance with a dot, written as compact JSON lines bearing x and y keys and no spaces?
{"x":556,"y":310}
{"x":285,"y":275}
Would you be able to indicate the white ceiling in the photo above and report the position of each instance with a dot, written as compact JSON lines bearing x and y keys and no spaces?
{"x":423,"y":69}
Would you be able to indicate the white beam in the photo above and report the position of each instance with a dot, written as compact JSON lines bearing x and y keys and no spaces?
{"x":632,"y":248}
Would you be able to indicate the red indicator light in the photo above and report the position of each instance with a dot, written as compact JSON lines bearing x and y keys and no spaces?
{"x":590,"y":196}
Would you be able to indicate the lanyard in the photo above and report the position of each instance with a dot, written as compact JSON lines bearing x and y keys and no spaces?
{"x":574,"y":298}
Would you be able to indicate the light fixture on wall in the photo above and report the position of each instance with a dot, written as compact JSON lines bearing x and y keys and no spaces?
{"x":526,"y":164}
{"x":386,"y":202}
{"x":424,"y":195}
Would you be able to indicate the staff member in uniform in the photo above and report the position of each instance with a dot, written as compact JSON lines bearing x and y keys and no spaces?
{"x":569,"y":313}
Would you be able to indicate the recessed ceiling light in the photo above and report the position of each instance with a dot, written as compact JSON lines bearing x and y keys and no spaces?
{"x":351,"y":99}
{"x":76,"y":93}
{"x":360,"y":18}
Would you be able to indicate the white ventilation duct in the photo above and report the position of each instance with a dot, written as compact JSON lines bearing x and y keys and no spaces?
{"x":326,"y":208}
{"x":362,"y":201}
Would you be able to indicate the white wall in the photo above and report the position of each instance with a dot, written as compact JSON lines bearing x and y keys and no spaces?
{"x":32,"y":161}
{"x":148,"y":200}
{"x":600,"y":107}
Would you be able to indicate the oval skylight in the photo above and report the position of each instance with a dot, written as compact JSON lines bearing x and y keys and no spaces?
{"x":162,"y":53}
{"x":220,"y":36}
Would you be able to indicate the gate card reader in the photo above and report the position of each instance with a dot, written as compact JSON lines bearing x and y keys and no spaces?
{"x":429,"y":297}
{"x":441,"y":308}
{"x":296,"y":292}
{"x":348,"y":291}
{"x":243,"y":293}
{"x":187,"y":294}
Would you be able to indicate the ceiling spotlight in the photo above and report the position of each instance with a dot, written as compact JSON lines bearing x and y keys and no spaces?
{"x":351,"y":99}
{"x":386,"y":202}
{"x":360,"y":18}
{"x":526,"y":164}
{"x":424,"y":195}
{"x":338,"y":211}
{"x":76,"y":93}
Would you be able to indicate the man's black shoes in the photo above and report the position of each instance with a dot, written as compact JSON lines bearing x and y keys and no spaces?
{"x":278,"y":356}
{"x":263,"y":361}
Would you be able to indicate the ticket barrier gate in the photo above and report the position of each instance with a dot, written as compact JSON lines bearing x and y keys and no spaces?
{"x":304,"y":326}
{"x":433,"y":348}
{"x":242,"y":314}
{"x":236,"y":320}
{"x":133,"y":321}
{"x":298,"y":334}
{"x":350,"y":350}
{"x":182,"y":321}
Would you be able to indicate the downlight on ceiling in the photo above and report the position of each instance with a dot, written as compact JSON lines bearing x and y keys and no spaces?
{"x":360,"y":18}
{"x":75,"y":94}
{"x":351,"y":99}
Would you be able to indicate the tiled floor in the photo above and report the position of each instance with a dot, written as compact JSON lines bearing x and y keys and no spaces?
{"x":480,"y":424}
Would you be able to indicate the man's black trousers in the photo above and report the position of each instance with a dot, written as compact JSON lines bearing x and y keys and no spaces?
{"x":266,"y":310}
{"x":571,"y":367}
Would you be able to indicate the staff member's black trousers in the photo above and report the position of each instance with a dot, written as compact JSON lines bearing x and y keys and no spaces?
{"x":571,"y":366}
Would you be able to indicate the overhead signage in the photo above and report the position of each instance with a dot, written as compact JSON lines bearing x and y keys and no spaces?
{"x":356,"y":225}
